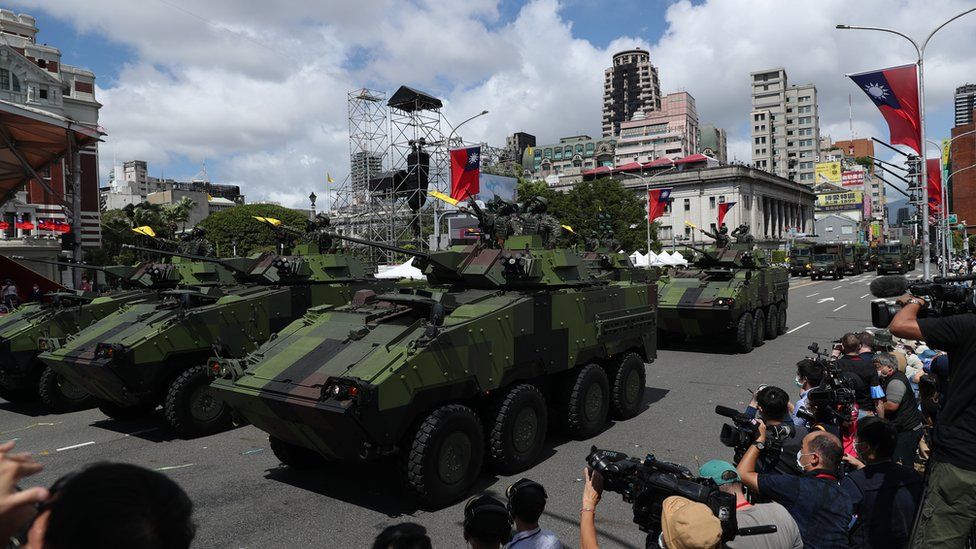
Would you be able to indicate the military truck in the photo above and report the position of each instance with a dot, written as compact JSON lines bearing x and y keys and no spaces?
{"x":827,"y":264}
{"x":731,"y":292}
{"x":23,"y":376}
{"x":463,"y":369}
{"x":799,"y":259}
{"x":895,"y":258}
{"x":156,"y":354}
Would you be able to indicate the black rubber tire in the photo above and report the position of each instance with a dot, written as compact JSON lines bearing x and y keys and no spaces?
{"x":51,"y":386}
{"x":743,"y":333}
{"x":772,"y":322}
{"x":187,"y":390}
{"x":521,"y":413}
{"x":782,"y":318}
{"x":423,"y":450}
{"x":758,"y":328}
{"x":294,"y":456}
{"x":124,"y":413}
{"x":627,"y":389}
{"x":583,"y":418}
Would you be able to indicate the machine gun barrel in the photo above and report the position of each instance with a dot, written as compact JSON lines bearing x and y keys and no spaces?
{"x":702,"y":251}
{"x":380,"y":245}
{"x":63,"y":264}
{"x":194,"y":257}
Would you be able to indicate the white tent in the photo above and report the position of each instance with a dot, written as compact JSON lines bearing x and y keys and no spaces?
{"x":406,"y":270}
{"x":678,"y":259}
{"x":638,"y":259}
{"x":651,"y":259}
{"x":662,"y":260}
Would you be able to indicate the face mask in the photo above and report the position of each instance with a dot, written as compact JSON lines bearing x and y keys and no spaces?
{"x":798,"y":382}
{"x":799,"y":455}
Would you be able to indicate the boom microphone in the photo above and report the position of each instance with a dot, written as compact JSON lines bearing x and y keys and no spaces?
{"x":889,"y":286}
{"x":725,"y":411}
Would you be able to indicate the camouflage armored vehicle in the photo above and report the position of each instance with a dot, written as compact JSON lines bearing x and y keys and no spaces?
{"x":729,"y":291}
{"x":156,"y":353}
{"x":466,"y":368}
{"x":24,"y":377}
{"x":895,"y":258}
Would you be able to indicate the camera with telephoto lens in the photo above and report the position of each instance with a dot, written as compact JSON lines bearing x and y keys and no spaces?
{"x":832,"y":402}
{"x":944,"y":296}
{"x":646,"y":483}
{"x":744,"y":431}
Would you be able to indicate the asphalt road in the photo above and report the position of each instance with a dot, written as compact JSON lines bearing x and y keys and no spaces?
{"x":244,"y":498}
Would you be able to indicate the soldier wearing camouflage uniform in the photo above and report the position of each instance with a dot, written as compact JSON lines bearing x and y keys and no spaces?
{"x":196,"y":243}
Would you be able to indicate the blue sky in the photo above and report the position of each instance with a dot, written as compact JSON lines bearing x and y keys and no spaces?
{"x":185,"y":82}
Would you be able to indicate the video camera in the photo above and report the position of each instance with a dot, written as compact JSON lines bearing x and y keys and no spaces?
{"x":833,"y":400}
{"x":945,"y":296}
{"x":645,"y":484}
{"x":744,"y":431}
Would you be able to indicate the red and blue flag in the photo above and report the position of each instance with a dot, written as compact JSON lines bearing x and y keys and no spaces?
{"x":657,"y":202}
{"x":722,"y":210}
{"x":895,"y":92}
{"x":465,"y":172}
{"x":935,"y":186}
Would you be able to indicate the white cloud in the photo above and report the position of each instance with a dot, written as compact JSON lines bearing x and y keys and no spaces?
{"x":258,"y":89}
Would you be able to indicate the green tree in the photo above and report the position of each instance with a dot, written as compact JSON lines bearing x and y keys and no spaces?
{"x":238,"y":223}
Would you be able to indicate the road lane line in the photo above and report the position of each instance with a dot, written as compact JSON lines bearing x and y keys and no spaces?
{"x":171,"y":467}
{"x":797,"y":328}
{"x":811,"y":295}
{"x":837,"y":287}
{"x":863,"y":296}
{"x":841,"y":307}
{"x":73,"y":446}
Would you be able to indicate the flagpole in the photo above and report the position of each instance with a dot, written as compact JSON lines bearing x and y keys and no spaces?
{"x":920,"y":50}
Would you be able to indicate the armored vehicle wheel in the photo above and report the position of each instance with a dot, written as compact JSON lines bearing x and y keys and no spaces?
{"x":743,"y":333}
{"x":772,"y":322}
{"x":585,"y":401}
{"x":443,"y":456}
{"x":518,"y":429}
{"x":294,"y":456}
{"x":191,"y":408}
{"x":627,"y":390}
{"x":115,"y":411}
{"x":782,"y":319}
{"x":60,"y":395}
{"x":758,"y":328}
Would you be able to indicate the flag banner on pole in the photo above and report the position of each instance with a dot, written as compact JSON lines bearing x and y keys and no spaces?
{"x":62,"y":227}
{"x":4,"y":225}
{"x":269,"y":220}
{"x":328,"y":178}
{"x":657,"y":202}
{"x":48,"y":225}
{"x":443,"y":198}
{"x":24,"y":225}
{"x":935,"y":186}
{"x":895,"y":92}
{"x":722,"y":210}
{"x":145,"y":230}
{"x":465,"y":172}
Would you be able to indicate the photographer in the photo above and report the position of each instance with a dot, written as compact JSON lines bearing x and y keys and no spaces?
{"x":773,"y":405}
{"x":884,"y":495}
{"x":808,"y":375}
{"x":900,"y":407}
{"x":526,"y":502}
{"x":787,"y":535}
{"x":815,"y":499}
{"x":486,"y":523}
{"x":949,"y":503}
{"x":868,"y":388}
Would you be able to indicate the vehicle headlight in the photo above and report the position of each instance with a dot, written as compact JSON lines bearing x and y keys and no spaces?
{"x":109,"y":350}
{"x":724,"y":302}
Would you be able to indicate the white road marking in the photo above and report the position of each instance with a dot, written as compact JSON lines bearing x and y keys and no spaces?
{"x":824,"y":300}
{"x":837,"y":287}
{"x":841,"y":307}
{"x":811,"y":295}
{"x":73,"y":446}
{"x":171,"y":467}
{"x":863,"y":296}
{"x":797,"y":328}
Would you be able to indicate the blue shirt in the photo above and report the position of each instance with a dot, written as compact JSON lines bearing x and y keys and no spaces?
{"x":800,"y":403}
{"x":884,"y":497}
{"x":817,"y":504}
{"x":535,"y":539}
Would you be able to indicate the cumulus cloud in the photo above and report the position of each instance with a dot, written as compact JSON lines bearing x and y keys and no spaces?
{"x":258,"y":89}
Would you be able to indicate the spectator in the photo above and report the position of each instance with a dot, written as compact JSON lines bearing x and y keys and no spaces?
{"x":814,"y":499}
{"x":883,"y":495}
{"x":486,"y":523}
{"x":866,"y":352}
{"x":592,"y":492}
{"x":772,"y":404}
{"x":867,"y":385}
{"x":113,"y":505}
{"x":10,"y":294}
{"x":526,"y":502}
{"x":900,"y":407}
{"x":787,"y":535}
{"x":808,"y":376}
{"x":85,"y":284}
{"x":37,"y":294}
{"x":949,"y":504}
{"x":17,"y":506}
{"x":686,"y":524}
{"x":406,"y":535}
{"x":929,"y":401}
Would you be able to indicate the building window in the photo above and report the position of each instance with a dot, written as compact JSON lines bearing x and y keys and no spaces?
{"x":42,"y":92}
{"x":590,"y":147}
{"x":847,"y":229}
{"x":687,"y":204}
{"x":548,"y":153}
{"x":9,"y":81}
{"x":711,"y":202}
{"x":721,"y":199}
{"x":687,"y":232}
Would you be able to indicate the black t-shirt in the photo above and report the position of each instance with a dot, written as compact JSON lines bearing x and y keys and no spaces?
{"x":884,"y":497}
{"x":868,"y":376}
{"x":955,"y":432}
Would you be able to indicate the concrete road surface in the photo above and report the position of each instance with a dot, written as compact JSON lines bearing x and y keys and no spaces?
{"x":244,"y":498}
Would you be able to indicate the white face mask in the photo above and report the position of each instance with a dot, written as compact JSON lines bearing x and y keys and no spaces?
{"x":799,"y":455}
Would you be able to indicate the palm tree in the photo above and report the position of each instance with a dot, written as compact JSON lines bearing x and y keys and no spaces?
{"x":183,"y":209}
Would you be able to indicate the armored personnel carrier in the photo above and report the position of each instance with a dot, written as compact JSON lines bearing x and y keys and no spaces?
{"x":156,"y":353}
{"x":44,"y":327}
{"x":466,"y":368}
{"x":730,"y":291}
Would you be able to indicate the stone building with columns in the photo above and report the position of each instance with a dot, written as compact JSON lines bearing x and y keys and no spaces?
{"x":772,"y":206}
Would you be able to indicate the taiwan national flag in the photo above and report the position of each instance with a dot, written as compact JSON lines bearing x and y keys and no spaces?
{"x":722,"y":210}
{"x":657,"y":202}
{"x":935,"y":186}
{"x":465,"y":172}
{"x":895,"y":93}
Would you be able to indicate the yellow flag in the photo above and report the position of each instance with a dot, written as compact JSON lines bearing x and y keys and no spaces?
{"x":268,"y":220}
{"x":441,"y":196}
{"x":690,"y":224}
{"x":328,"y":178}
{"x":145,"y":230}
{"x":568,"y":228}
{"x":209,"y":198}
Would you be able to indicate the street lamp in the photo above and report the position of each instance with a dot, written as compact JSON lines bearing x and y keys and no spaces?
{"x":647,"y":189}
{"x":456,"y":128}
{"x":311,"y":198}
{"x":920,"y":50}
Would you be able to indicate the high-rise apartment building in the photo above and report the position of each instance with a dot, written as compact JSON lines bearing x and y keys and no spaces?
{"x":363,"y":167}
{"x":962,"y":155}
{"x":630,"y":86}
{"x":516,"y":144}
{"x":785,"y":126}
{"x":714,"y":143}
{"x":671,"y":131}
{"x":965,"y":103}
